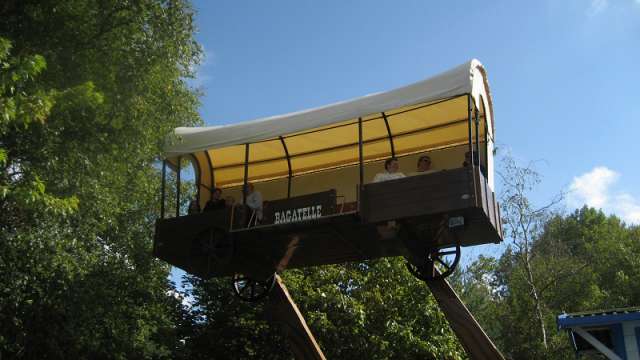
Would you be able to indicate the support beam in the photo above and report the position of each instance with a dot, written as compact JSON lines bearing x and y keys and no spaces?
{"x":163,"y":184}
{"x":477,"y":125}
{"x":178,"y":171}
{"x":360,"y":153}
{"x":246,"y":174}
{"x":473,"y":165}
{"x":470,"y":120}
{"x":386,"y":123}
{"x":282,"y":310}
{"x":596,"y":343}
{"x":213,"y":179}
{"x":473,"y":338}
{"x":286,"y":153}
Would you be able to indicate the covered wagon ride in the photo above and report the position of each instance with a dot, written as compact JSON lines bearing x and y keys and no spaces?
{"x":314,"y":170}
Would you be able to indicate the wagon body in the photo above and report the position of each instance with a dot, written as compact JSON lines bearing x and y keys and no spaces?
{"x":314,"y":168}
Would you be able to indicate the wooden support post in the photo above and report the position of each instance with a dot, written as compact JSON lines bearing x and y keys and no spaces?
{"x":283,"y":311}
{"x":474,"y":340}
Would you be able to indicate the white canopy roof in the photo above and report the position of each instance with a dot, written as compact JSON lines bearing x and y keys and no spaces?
{"x":468,"y":78}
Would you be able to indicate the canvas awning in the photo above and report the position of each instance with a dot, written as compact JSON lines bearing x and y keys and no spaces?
{"x":429,"y":114}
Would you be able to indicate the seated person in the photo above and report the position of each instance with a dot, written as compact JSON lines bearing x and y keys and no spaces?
{"x":216,"y":202}
{"x":254,"y":201}
{"x":194,"y":207}
{"x":476,"y":158}
{"x":467,"y":159}
{"x":424,"y":166}
{"x":391,"y":167}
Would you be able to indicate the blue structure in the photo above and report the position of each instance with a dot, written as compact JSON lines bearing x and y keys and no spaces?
{"x":612,"y":333}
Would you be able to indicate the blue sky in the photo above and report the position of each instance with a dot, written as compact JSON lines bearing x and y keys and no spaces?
{"x":564,"y":74}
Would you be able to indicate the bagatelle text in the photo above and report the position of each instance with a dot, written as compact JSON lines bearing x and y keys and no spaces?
{"x":300,"y":214}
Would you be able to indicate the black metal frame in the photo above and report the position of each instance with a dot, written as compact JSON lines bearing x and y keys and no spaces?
{"x":213,"y":182}
{"x":386,"y":123}
{"x":477,"y":122}
{"x":367,"y":120}
{"x":471,"y":152}
{"x":338,"y":167}
{"x":178,"y":171}
{"x":373,"y":140}
{"x":163,"y":184}
{"x":360,"y":153}
{"x":246,"y":173}
{"x":389,"y":137}
{"x":286,"y":153}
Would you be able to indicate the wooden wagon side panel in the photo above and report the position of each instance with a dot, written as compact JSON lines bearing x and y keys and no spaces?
{"x":419,"y":195}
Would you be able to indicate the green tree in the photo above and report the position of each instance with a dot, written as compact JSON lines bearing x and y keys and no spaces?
{"x":555,"y":263}
{"x":372,"y":310}
{"x":89,"y":89}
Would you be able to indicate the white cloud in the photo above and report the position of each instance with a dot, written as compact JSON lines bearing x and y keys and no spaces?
{"x":629,"y":208}
{"x":595,"y":189}
{"x":598,"y":6}
{"x":592,"y":188}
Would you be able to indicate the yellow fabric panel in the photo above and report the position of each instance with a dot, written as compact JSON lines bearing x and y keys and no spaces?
{"x":268,"y":169}
{"x":344,"y":181}
{"x":231,"y":175}
{"x":376,"y":149}
{"x":416,"y":128}
{"x":205,"y":177}
{"x":402,"y":120}
{"x":323,"y":139}
{"x":227,"y":156}
{"x":203,"y":165}
{"x":431,"y":139}
{"x":373,"y":129}
{"x":266,"y":150}
{"x":324,"y":159}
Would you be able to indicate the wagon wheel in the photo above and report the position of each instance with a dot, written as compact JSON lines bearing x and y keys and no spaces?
{"x":251,"y":290}
{"x":438,"y":264}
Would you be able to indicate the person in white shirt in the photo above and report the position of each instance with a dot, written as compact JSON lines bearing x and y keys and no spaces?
{"x":254,"y":200}
{"x":391,"y":167}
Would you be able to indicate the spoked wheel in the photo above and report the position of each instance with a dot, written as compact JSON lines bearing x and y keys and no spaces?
{"x":438,"y":264}
{"x":251,"y":290}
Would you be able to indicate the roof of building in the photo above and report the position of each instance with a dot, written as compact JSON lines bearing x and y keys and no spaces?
{"x":600,"y":317}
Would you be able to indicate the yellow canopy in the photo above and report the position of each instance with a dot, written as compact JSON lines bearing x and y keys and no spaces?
{"x":428,"y":115}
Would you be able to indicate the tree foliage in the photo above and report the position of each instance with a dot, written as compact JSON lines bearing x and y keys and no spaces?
{"x":88,"y":90}
{"x":583,"y":261}
{"x":372,"y":310}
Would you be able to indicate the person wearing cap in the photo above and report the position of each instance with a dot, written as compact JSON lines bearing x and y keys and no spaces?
{"x":391,"y":168}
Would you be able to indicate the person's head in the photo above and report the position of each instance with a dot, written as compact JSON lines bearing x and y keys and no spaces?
{"x":217,"y":193}
{"x":467,"y":158}
{"x":391,"y":165}
{"x":250,"y":188}
{"x":424,"y":163}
